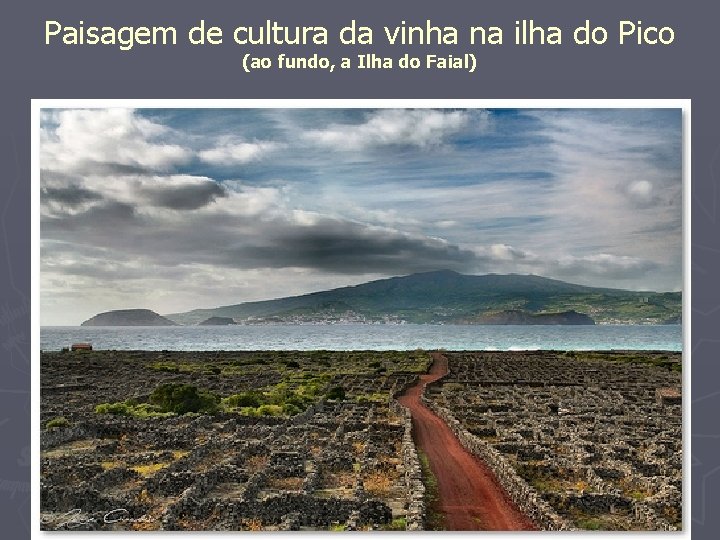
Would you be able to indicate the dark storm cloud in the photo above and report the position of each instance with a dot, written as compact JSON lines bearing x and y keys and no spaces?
{"x":347,"y":247}
{"x":100,"y":219}
{"x":183,"y":197}
{"x":321,"y":244}
{"x":246,"y":242}
{"x":72,"y":195}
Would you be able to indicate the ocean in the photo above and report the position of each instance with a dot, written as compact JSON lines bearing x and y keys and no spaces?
{"x":367,"y":337}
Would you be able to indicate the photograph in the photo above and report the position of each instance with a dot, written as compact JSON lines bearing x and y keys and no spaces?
{"x":360,"y":317}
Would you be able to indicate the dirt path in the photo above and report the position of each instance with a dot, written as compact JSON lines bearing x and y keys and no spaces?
{"x":470,"y":496}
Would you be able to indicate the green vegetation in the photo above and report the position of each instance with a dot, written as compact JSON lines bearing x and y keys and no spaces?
{"x":590,"y":524}
{"x":57,"y":422}
{"x":434,"y":520}
{"x":184,"y":398}
{"x":539,"y":476}
{"x":279,"y":400}
{"x":131,"y":408}
{"x":638,"y":495}
{"x":285,"y":383}
{"x":397,"y":524}
{"x":243,"y":399}
{"x":166,"y":400}
{"x":372,"y":398}
{"x":176,"y":399}
{"x":336,"y":392}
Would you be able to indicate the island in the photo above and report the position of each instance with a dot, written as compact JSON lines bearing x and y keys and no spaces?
{"x":129,"y":317}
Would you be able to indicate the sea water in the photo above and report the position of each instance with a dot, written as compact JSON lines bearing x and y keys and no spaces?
{"x":366,"y":336}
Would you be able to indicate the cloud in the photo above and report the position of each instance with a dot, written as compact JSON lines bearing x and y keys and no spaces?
{"x":417,"y":127}
{"x":503,"y":252}
{"x":106,"y":140}
{"x":99,"y":219}
{"x":617,"y":183}
{"x":190,"y":208}
{"x":333,"y":245}
{"x":71,"y":196}
{"x":173,"y":192}
{"x":602,"y":265}
{"x":586,"y":269}
{"x":237,"y":153}
{"x":641,"y":193}
{"x":188,"y":194}
{"x":232,"y":234}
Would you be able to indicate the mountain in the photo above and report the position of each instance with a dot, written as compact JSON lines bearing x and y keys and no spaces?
{"x":128,"y":317}
{"x":449,"y":297}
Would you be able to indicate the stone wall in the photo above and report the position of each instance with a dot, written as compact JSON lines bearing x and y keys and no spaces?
{"x":527,"y":498}
{"x":583,"y":433}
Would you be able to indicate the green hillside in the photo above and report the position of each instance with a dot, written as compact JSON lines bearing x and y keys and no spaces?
{"x":448,"y":297}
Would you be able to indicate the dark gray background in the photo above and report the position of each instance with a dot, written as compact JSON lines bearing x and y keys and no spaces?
{"x":687,"y":69}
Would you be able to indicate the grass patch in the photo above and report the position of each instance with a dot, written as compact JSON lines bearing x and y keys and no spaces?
{"x":434,"y":519}
{"x":375,"y":397}
{"x":590,"y":524}
{"x":57,"y":422}
{"x":397,"y":524}
{"x":379,"y":483}
{"x":149,"y":470}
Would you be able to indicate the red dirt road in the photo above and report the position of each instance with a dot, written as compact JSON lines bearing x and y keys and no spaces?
{"x":471,"y":498}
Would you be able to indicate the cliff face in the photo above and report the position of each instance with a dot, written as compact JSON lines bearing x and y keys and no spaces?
{"x":129,"y":317}
{"x":512,"y":316}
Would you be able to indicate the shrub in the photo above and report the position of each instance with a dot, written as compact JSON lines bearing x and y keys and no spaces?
{"x":170,"y":367}
{"x":270,"y":410}
{"x":120,"y":408}
{"x":58,"y":421}
{"x":291,"y":409}
{"x":308,"y":390}
{"x":243,"y":399}
{"x":248,"y":411}
{"x":147,"y":410}
{"x":184,"y":398}
{"x":130,"y":408}
{"x":375,"y":397}
{"x":337,"y":392}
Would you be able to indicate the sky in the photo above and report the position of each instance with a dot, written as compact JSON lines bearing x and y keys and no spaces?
{"x":176,"y":209}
